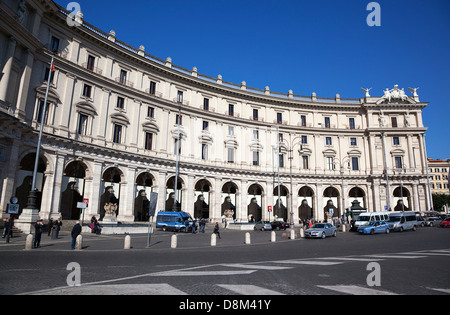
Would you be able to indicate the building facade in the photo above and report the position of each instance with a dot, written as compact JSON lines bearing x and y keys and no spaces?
{"x":113,"y":126}
{"x":439,"y":171}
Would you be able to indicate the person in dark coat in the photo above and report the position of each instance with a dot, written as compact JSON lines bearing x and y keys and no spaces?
{"x":38,"y":227}
{"x":216,"y":230}
{"x":75,"y":232}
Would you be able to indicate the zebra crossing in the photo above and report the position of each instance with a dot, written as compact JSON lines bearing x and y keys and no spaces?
{"x":233,"y":270}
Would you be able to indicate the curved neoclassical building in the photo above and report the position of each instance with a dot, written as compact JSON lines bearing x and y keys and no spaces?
{"x":111,"y":132}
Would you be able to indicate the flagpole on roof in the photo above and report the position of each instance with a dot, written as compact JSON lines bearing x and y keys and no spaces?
{"x":32,"y":198}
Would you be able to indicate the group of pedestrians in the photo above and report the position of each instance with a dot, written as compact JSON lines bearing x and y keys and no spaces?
{"x":192,"y":225}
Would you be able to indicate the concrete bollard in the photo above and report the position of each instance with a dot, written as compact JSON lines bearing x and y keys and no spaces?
{"x":247,"y":238}
{"x":127,"y":242}
{"x":292,"y":234}
{"x":213,"y":239}
{"x":174,"y":241}
{"x":29,"y":242}
{"x":344,"y":228}
{"x":273,"y":237}
{"x":302,"y":233}
{"x":79,"y":242}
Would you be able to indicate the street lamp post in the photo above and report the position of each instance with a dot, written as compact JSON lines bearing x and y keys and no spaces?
{"x":342,"y":170}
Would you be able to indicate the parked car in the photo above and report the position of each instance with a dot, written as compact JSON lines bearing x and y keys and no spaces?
{"x":445,"y":223}
{"x":433,"y":221}
{"x":263,"y":226}
{"x":420,"y":221}
{"x":278,"y":225}
{"x":402,"y":221}
{"x":321,"y":230}
{"x":374,"y":227}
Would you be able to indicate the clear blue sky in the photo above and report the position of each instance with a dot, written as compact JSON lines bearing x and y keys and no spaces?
{"x":322,"y":46}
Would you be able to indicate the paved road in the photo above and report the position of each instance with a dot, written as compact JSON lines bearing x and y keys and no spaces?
{"x":409,"y":262}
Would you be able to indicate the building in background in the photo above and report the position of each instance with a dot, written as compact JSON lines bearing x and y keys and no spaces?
{"x":111,"y":133}
{"x":439,"y":176}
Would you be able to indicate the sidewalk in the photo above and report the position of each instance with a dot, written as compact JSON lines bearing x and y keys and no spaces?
{"x":159,"y":240}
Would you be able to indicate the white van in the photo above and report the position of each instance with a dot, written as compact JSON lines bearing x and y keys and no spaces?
{"x":367,"y":217}
{"x":402,"y":221}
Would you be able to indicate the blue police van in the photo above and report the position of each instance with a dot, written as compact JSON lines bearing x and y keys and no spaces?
{"x":174,"y":221}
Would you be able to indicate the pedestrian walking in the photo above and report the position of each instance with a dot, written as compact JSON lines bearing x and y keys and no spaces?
{"x":38,"y":227}
{"x":49,"y":227}
{"x":76,"y":230}
{"x":7,"y":230}
{"x":56,"y":228}
{"x":216,"y":230}
{"x":202,"y":225}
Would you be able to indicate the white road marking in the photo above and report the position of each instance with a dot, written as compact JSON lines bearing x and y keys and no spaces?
{"x":351,"y":259}
{"x":440,"y":290}
{"x":395,"y":256}
{"x":355,"y":290}
{"x":119,"y":289}
{"x":248,"y":290}
{"x":309,"y":262}
{"x":182,"y":273}
{"x":257,"y":267}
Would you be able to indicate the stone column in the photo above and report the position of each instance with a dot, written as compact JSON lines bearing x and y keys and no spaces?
{"x":56,"y":188}
{"x":24,"y":86}
{"x":4,"y":83}
{"x":127,"y":195}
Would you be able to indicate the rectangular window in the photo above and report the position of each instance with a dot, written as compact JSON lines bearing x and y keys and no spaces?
{"x":330,"y":163}
{"x":303,"y":121}
{"x":281,"y":160}
{"x":353,"y":142}
{"x":327,"y":122}
{"x":304,"y":139}
{"x":152,"y":90}
{"x":150,"y":112}
{"x":279,"y":118}
{"x":328,"y":141}
{"x":205,"y":125}
{"x":54,"y":44}
{"x":280,"y":137}
{"x":206,"y":104}
{"x":180,"y":97}
{"x":396,"y":141}
{"x":120,"y":102}
{"x":230,"y":130}
{"x":255,"y":114}
{"x":148,"y":141}
{"x":398,"y":162}
{"x":230,"y":109}
{"x":90,"y":63}
{"x":179,"y":119}
{"x":255,"y":134}
{"x":175,"y":145}
{"x":355,"y":164}
{"x":47,"y":73}
{"x":40,"y":111}
{"x":123,"y":77}
{"x":305,"y":159}
{"x":204,"y":151}
{"x":351,"y":123}
{"x":117,"y":137}
{"x":394,"y":122}
{"x":82,"y":125}
{"x":230,"y":157}
{"x":255,"y":158}
{"x":87,"y":89}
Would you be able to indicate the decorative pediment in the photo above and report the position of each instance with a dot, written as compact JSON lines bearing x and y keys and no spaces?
{"x":150,"y":127}
{"x":86,"y":108}
{"x":329,"y":152}
{"x":256,"y":146}
{"x":398,"y":152}
{"x":354,"y":153}
{"x":120,"y":118}
{"x":206,"y":138}
{"x":53,"y":96}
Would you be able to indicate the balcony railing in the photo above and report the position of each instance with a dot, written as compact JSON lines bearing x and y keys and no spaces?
{"x":125,"y":82}
{"x":91,"y":68}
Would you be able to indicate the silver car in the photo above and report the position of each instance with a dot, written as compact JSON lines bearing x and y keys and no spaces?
{"x":263,"y":226}
{"x":321,"y":230}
